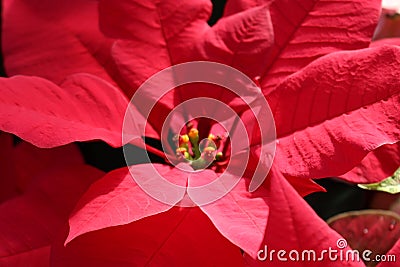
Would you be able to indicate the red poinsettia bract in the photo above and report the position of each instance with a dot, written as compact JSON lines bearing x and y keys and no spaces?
{"x":333,"y":110}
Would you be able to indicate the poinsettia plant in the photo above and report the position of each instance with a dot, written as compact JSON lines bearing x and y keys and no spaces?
{"x":73,"y":67}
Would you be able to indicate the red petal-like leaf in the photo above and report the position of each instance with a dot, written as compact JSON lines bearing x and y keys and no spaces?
{"x":293,"y":225}
{"x":35,"y":160}
{"x":39,"y":257}
{"x":332,"y":113}
{"x":241,"y":41}
{"x":157,"y":32}
{"x":178,"y":237}
{"x":394,"y":251}
{"x":364,"y":230}
{"x":247,"y":212}
{"x":386,"y":41}
{"x":116,"y":199}
{"x":29,"y":223}
{"x":46,"y":115}
{"x":376,"y":166}
{"x":130,"y":19}
{"x":54,"y":39}
{"x":14,"y":178}
{"x":306,"y":30}
{"x":8,"y":183}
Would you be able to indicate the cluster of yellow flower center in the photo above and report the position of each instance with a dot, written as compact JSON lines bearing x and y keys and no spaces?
{"x":199,"y":154}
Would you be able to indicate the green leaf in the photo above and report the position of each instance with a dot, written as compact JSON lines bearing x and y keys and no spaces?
{"x":390,"y":185}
